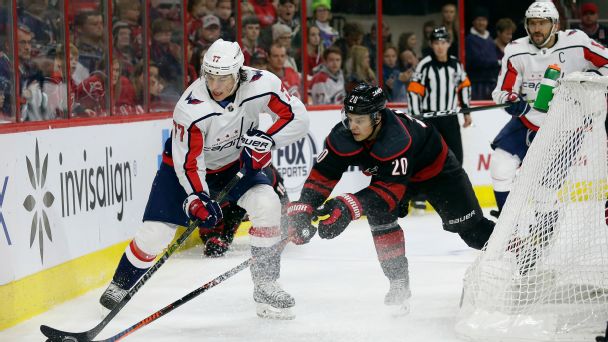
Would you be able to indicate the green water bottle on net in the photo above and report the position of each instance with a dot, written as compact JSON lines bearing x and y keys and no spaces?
{"x":545,"y":91}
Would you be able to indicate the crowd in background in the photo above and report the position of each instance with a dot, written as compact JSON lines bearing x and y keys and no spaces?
{"x":148,"y":65}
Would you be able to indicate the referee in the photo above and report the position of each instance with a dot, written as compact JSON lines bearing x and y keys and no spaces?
{"x":440,"y":83}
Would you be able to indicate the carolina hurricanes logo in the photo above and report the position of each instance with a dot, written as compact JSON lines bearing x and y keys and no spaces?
{"x":256,"y":76}
{"x":192,"y":100}
{"x":216,"y":58}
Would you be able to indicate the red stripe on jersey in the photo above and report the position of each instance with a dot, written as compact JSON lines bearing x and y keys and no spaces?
{"x":167,"y":160}
{"x":386,"y":197}
{"x":334,"y":150}
{"x":139,"y":254}
{"x":528,"y":124}
{"x":509,"y":81}
{"x":594,"y":58}
{"x":265,"y":232}
{"x":435,"y":167}
{"x":283,"y":110}
{"x":195,"y":149}
{"x":318,"y":189}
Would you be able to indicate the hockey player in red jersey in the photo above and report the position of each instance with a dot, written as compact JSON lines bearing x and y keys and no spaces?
{"x":404,"y":157}
{"x":215,"y":133}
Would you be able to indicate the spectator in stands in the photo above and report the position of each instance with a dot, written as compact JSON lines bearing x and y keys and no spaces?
{"x":353,"y":35}
{"x":407,"y":41}
{"x":276,"y":65}
{"x":196,"y":60}
{"x":196,"y":11}
{"x":281,"y":34}
{"x":482,"y":63}
{"x":259,"y":62}
{"x":286,"y":11}
{"x":129,"y":12}
{"x":123,"y":49}
{"x":369,"y":41}
{"x":35,"y":17}
{"x":168,"y":10}
{"x":210,"y":6}
{"x":504,"y":34}
{"x":78,"y":72}
{"x":54,"y":85}
{"x":394,"y":80}
{"x":321,"y":10}
{"x":427,"y":29}
{"x":6,"y":75}
{"x":265,"y":11}
{"x":251,"y":34}
{"x":449,"y":20}
{"x":327,"y":86}
{"x":209,"y":31}
{"x":589,"y":24}
{"x":360,"y":70}
{"x":155,"y":87}
{"x":314,"y":49}
{"x":165,"y":54}
{"x":227,"y":22}
{"x":407,"y":61}
{"x":89,"y":39}
{"x":31,"y":79}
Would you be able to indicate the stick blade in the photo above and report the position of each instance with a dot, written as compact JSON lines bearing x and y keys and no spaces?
{"x":55,"y":335}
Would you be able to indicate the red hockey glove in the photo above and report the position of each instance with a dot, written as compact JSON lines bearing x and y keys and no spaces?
{"x":300,"y":226}
{"x":336,"y":214}
{"x":201,"y":207}
{"x":256,"y":153}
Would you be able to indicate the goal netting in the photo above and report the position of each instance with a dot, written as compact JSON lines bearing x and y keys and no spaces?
{"x":543,"y":275}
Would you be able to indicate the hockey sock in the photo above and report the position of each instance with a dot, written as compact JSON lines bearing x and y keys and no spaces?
{"x":390,"y":247}
{"x":133,"y":264}
{"x":266,"y":265}
{"x":501,"y":198}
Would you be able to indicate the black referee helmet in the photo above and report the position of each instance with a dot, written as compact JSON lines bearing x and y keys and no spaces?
{"x":440,"y":33}
{"x":365,"y":99}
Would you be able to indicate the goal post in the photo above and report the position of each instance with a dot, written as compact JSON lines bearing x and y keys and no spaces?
{"x":543,"y":275}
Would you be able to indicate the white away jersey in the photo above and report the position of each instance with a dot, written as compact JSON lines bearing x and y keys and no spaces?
{"x":524,"y":65}
{"x":206,"y":137}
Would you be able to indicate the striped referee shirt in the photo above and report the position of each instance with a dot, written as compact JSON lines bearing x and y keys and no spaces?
{"x":438,"y":86}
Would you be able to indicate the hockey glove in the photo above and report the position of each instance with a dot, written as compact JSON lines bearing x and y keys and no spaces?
{"x":256,"y":153}
{"x":300,"y":226}
{"x":519,"y":106}
{"x":336,"y":214}
{"x":199,"y":206}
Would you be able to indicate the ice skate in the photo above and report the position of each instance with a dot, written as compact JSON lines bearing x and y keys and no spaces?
{"x":113,"y":295}
{"x":397,"y":297}
{"x":272,"y":301}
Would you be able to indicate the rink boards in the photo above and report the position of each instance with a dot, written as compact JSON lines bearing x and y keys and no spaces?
{"x":71,"y":198}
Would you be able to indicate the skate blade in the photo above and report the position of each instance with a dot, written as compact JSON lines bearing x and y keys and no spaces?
{"x":269,"y":312}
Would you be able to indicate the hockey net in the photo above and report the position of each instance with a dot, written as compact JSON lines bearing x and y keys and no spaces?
{"x":543,"y":275}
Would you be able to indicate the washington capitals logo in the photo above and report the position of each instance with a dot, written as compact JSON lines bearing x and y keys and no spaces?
{"x":192,"y":100}
{"x":256,"y":76}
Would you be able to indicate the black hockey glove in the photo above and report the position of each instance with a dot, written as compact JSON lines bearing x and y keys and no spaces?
{"x":300,"y":226}
{"x":519,"y":106}
{"x":336,"y":214}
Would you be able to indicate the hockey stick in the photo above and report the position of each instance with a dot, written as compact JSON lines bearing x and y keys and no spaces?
{"x":58,"y":335}
{"x":443,"y":113}
{"x":160,"y":313}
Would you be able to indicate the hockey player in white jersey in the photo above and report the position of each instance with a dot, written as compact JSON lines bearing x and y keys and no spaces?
{"x":523,"y":67}
{"x":215,"y":133}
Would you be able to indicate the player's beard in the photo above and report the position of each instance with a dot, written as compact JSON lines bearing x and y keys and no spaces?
{"x":539,"y":41}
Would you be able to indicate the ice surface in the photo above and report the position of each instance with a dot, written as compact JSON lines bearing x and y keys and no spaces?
{"x":338,"y":285}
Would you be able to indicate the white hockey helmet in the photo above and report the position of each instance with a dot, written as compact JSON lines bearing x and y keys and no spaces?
{"x":543,"y":10}
{"x":223,"y":58}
